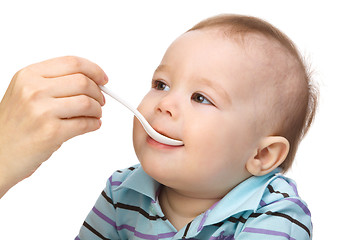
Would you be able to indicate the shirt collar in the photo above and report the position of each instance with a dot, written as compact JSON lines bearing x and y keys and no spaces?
{"x":141,"y":182}
{"x":244,"y":197}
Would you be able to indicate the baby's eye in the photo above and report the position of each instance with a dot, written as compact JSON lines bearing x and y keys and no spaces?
{"x":159,"y":85}
{"x":197,"y":97}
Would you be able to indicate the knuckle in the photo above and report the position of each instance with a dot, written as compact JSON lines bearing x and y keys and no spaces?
{"x":73,"y":61}
{"x":84,"y":125}
{"x":26,"y":92}
{"x":88,"y":124}
{"x":82,"y":82}
{"x":31,"y":94}
{"x":24,"y":75}
{"x":85,"y":102}
{"x":20,"y":74}
{"x":29,"y":87}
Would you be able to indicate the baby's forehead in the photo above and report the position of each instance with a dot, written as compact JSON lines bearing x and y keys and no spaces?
{"x":271,"y":63}
{"x":266,"y":53}
{"x":269,"y":70}
{"x":256,"y":58}
{"x":267,"y":63}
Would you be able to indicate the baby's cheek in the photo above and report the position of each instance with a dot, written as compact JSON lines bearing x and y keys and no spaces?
{"x":137,"y":136}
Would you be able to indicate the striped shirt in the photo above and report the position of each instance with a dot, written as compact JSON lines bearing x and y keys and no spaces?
{"x":265,"y":207}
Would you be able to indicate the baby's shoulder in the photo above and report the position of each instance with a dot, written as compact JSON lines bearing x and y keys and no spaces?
{"x":280,"y":189}
{"x":282,"y":210}
{"x":282,"y":201}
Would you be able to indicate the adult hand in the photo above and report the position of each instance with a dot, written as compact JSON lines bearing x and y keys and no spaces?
{"x":45,"y":105}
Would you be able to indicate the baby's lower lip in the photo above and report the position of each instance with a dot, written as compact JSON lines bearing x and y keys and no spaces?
{"x":160,"y":145}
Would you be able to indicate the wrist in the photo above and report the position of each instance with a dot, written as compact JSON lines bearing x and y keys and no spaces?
{"x":4,"y":187}
{"x":5,"y":183}
{"x":7,"y":178}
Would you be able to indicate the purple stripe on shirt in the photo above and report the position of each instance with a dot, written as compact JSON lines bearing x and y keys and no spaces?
{"x":105,"y":218}
{"x":166,"y":235}
{"x":204,"y":218}
{"x":114,"y":183}
{"x":267,"y":232}
{"x":222,"y":237}
{"x":262,"y":203}
{"x":77,"y":238}
{"x":145,"y":236}
{"x":294,"y":188}
{"x":131,"y":228}
{"x":300,"y":204}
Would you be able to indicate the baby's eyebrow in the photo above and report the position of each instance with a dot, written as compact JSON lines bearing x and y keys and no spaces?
{"x":162,"y":68}
{"x":216,"y":87}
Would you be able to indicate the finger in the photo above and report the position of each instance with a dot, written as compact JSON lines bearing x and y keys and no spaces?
{"x":77,"y":126}
{"x":73,"y":85}
{"x":77,"y":106}
{"x":62,"y":66}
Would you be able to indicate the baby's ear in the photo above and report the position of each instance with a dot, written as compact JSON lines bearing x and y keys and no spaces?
{"x":271,"y":152}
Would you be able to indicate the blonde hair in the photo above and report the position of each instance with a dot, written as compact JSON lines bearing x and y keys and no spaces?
{"x":300,"y":109}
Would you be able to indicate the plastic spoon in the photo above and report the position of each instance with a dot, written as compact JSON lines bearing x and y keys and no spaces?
{"x":150,"y":131}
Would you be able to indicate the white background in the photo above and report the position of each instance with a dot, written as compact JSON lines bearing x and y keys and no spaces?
{"x":127,"y":39}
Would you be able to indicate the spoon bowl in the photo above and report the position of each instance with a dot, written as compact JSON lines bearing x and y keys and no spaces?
{"x":149,"y":130}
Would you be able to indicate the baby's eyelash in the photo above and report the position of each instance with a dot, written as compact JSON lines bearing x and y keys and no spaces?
{"x":200,"y":98}
{"x":160,"y":85}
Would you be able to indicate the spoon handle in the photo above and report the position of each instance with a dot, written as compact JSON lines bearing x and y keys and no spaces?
{"x":120,"y":100}
{"x":151,"y":132}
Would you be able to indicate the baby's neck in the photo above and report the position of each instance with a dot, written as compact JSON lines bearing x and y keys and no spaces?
{"x":181,"y":209}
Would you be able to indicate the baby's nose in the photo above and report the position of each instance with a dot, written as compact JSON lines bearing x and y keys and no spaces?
{"x":168,"y":105}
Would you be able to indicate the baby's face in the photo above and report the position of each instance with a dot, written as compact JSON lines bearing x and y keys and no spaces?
{"x":202,"y":94}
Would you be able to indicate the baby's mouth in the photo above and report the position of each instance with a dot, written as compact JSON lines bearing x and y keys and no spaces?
{"x":165,"y":144}
{"x":157,"y":144}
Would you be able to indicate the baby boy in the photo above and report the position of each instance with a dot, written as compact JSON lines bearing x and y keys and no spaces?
{"x":235,"y":90}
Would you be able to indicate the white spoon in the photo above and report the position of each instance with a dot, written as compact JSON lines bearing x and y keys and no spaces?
{"x":150,"y":131}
